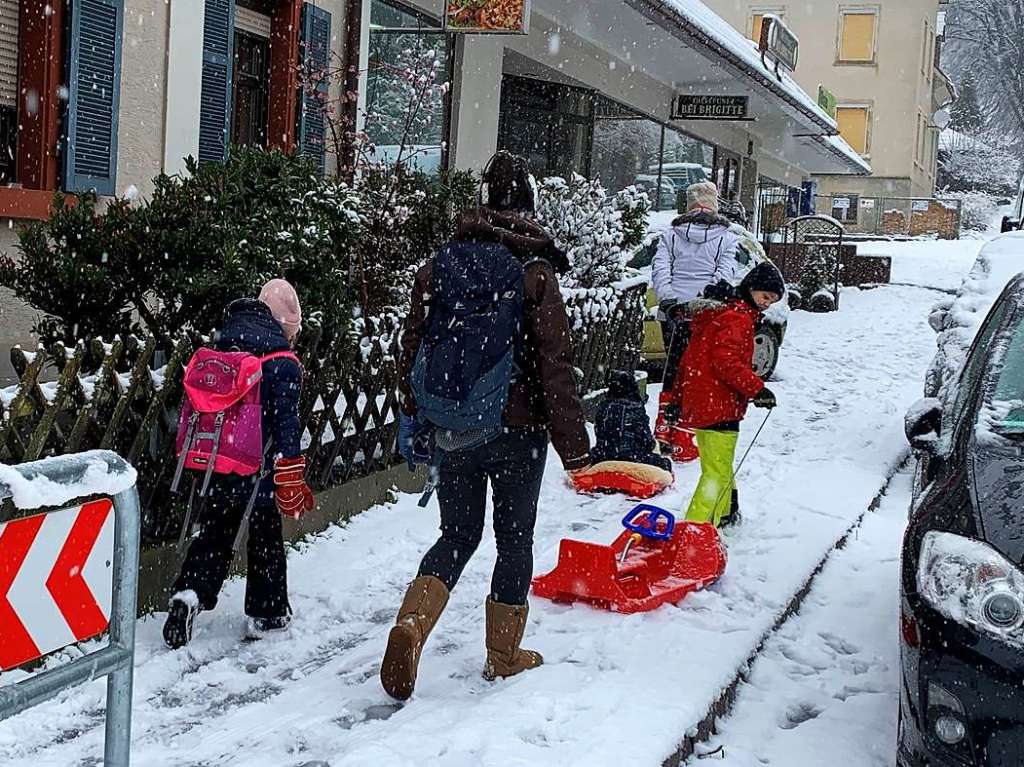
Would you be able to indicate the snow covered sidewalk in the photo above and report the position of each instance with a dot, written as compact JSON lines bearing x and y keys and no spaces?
{"x":828,"y":682}
{"x":615,"y":690}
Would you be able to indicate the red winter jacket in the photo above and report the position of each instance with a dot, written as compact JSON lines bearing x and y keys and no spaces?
{"x":717,"y":380}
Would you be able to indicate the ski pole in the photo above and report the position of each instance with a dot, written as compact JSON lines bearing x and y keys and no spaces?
{"x":743,"y":460}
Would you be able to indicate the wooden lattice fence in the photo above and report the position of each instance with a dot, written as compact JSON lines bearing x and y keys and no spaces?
{"x":125,"y":396}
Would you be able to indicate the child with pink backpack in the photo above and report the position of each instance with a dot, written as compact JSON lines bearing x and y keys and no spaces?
{"x":240,"y":460}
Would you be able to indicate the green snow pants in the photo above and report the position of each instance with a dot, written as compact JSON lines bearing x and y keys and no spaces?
{"x":713,"y":496}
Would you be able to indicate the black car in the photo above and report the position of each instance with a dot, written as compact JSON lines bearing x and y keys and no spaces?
{"x":962,"y":583}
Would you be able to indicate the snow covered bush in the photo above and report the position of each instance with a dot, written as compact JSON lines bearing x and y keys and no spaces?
{"x":817,"y":277}
{"x":980,"y":210}
{"x":596,"y":232}
{"x":172,"y":263}
{"x":75,"y":270}
{"x":408,"y":216}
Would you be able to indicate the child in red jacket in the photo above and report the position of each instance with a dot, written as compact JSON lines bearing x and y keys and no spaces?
{"x":716,"y":386}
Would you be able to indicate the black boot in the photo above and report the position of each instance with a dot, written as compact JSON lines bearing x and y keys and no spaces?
{"x":734,"y":517}
{"x":181,"y":616}
{"x":260,"y":628}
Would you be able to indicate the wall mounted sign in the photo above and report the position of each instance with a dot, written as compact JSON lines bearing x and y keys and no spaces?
{"x":687,"y":107}
{"x":495,"y":17}
{"x":827,"y":101}
{"x":778,"y":44}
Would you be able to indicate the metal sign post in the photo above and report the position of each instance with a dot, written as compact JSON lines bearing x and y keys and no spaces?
{"x":116,"y":660}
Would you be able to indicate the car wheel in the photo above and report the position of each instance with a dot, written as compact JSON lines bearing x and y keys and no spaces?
{"x":766,"y":352}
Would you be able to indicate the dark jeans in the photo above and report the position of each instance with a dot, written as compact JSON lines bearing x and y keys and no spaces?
{"x":210,"y":554}
{"x":514,"y":465}
{"x":676,"y":335}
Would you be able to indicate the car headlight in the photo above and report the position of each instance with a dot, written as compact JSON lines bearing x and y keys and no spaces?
{"x":971,"y":583}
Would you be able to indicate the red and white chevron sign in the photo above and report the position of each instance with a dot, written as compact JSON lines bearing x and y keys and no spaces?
{"x":56,"y":578}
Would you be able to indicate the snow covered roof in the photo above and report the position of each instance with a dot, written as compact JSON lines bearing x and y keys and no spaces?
{"x":721,"y":40}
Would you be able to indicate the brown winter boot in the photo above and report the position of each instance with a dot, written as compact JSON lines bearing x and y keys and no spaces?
{"x":424,"y":602}
{"x":505,"y":627}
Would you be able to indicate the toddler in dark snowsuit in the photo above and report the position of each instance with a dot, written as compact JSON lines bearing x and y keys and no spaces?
{"x":623,"y":427}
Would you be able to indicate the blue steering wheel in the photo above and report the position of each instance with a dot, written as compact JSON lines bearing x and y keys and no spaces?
{"x":648,"y":527}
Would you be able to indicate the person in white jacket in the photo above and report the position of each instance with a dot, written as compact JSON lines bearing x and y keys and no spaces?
{"x":696,"y":253}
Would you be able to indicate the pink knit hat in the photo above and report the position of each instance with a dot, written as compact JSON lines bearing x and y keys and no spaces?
{"x":283,"y":301}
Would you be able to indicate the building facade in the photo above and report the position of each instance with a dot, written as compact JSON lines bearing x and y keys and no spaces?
{"x":104,"y":95}
{"x":880,"y":61}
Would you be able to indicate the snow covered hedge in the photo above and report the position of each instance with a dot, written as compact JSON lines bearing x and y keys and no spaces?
{"x":596,"y":231}
{"x":171,"y":263}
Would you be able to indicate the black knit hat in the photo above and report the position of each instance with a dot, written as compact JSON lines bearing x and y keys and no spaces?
{"x":622,"y":385}
{"x":765,"y":276}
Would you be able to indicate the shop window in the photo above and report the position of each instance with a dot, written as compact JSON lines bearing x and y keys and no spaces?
{"x":686,"y":160}
{"x":404,"y":45}
{"x":551,"y":125}
{"x":858,"y":29}
{"x":845,"y":207}
{"x":757,"y":20}
{"x":854,"y":123}
{"x":627,"y":152}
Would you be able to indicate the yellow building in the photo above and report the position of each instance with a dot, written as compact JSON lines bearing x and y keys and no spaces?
{"x":879,"y":59}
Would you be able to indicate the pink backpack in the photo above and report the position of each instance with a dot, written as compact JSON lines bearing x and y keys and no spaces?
{"x":221,"y":426}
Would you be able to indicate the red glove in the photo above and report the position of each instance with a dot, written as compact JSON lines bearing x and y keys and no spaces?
{"x":291,"y":493}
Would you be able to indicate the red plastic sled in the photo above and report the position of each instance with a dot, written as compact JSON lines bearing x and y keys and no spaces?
{"x":663,"y":562}
{"x":636,"y":480}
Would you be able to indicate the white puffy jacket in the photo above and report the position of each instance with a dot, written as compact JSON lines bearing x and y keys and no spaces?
{"x":696,"y":251}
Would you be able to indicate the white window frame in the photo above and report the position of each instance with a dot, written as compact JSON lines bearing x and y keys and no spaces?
{"x":857,"y":10}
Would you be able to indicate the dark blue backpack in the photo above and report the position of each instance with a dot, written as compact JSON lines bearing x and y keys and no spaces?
{"x":466,"y":360}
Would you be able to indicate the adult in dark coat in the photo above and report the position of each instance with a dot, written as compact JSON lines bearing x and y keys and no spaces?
{"x":250,"y":326}
{"x":543,"y":402}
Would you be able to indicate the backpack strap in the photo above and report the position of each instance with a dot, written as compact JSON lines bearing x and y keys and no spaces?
{"x":280,"y":356}
{"x":283,"y":356}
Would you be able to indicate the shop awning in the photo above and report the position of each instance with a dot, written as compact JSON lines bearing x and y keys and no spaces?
{"x":702,"y":30}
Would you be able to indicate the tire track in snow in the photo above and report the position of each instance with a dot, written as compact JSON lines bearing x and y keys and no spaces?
{"x":812,"y":690}
{"x":723,"y":705}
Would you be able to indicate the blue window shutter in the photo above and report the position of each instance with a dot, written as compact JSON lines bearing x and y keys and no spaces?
{"x":94,"y":90}
{"x":316,"y":57}
{"x":215,"y":98}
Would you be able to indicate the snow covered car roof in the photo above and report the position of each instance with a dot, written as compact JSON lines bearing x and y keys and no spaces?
{"x":957,"y":319}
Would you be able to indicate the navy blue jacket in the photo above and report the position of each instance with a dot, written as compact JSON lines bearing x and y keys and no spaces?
{"x":623,"y":427}
{"x":250,"y":327}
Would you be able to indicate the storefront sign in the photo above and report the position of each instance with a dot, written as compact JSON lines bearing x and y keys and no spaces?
{"x":487,"y":16}
{"x":685,"y":107}
{"x":827,"y":101}
{"x":779,"y":44}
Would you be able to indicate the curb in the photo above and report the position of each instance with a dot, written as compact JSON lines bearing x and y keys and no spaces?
{"x":723,"y":704}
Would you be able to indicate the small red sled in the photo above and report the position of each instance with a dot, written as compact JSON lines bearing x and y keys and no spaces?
{"x":655,"y":561}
